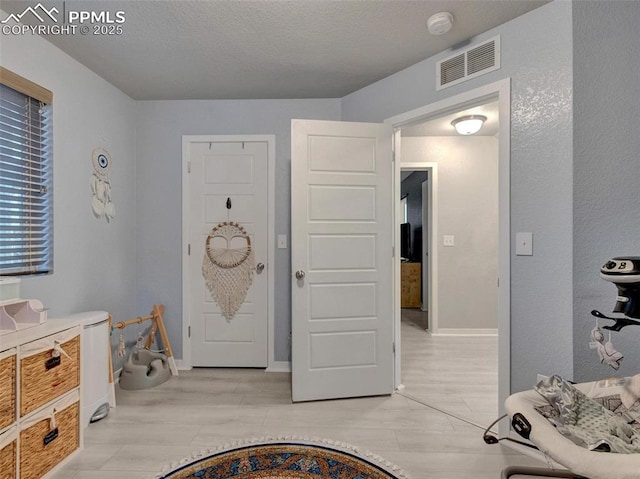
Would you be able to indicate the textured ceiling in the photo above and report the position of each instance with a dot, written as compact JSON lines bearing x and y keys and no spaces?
{"x":229,"y":49}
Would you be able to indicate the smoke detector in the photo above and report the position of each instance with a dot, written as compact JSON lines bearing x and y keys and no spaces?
{"x":440,"y":23}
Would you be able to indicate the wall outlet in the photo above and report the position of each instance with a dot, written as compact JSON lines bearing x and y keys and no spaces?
{"x":449,"y":240}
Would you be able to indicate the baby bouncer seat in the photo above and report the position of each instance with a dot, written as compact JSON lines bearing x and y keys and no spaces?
{"x":530,"y":413}
{"x":589,"y":430}
{"x":144,"y":369}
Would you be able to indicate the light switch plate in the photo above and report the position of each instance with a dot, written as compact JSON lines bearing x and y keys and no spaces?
{"x":449,"y":240}
{"x":524,"y":244}
{"x":282,"y":241}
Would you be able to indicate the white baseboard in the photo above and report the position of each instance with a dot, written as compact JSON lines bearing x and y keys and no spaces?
{"x":279,"y":367}
{"x":181,"y":365}
{"x":464,"y":332}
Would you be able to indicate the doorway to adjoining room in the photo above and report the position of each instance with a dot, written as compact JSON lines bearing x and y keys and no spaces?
{"x":450,"y":359}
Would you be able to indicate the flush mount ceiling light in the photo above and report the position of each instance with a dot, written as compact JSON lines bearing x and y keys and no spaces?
{"x":468,"y":124}
{"x":440,"y":23}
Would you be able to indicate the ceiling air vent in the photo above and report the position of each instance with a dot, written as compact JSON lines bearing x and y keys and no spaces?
{"x":473,"y":62}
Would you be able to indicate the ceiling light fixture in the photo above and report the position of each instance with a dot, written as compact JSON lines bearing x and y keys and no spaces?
{"x":440,"y":23}
{"x":468,"y":124}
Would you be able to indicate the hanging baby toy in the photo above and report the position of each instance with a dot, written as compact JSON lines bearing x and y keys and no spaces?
{"x":140,"y":341}
{"x":122,"y":350}
{"x":101,"y":203}
{"x":228,"y":265}
{"x":624,"y":273}
{"x":607,"y":353}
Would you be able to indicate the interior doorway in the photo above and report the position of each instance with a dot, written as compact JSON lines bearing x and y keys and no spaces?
{"x":415,"y":243}
{"x":450,"y":359}
{"x":454,"y":240}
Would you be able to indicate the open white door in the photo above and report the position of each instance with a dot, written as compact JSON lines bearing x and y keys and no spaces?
{"x":341,"y":253}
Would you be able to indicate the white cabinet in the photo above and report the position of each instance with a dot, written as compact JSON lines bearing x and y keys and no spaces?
{"x":39,"y":399}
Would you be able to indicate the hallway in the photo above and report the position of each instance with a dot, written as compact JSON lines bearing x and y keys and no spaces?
{"x":457,"y":375}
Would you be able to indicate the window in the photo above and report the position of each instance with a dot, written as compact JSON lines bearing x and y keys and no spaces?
{"x":26,"y":164}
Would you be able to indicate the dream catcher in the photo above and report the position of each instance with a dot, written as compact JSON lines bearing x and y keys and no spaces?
{"x":101,"y":203}
{"x":228,"y":265}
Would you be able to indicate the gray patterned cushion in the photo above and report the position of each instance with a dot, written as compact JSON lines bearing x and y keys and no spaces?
{"x":598,"y":424}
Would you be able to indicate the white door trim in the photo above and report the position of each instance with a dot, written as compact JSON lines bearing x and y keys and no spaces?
{"x":500,"y":90}
{"x":427,"y":195}
{"x":270,"y":267}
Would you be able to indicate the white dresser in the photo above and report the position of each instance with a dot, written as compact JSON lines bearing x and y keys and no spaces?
{"x":40,"y":398}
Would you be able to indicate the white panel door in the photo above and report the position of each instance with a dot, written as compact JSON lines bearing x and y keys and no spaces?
{"x":341,"y":250}
{"x":237,"y":171}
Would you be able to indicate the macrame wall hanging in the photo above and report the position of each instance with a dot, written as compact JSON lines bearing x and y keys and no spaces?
{"x":101,"y":203}
{"x":228,"y":265}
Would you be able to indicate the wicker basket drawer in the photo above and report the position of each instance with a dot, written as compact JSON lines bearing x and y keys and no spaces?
{"x":8,"y":454}
{"x":49,"y":436}
{"x":49,"y":368}
{"x":7,"y":388}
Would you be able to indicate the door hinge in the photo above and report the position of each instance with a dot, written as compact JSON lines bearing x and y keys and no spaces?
{"x":188,"y":167}
{"x":189,"y":330}
{"x":393,"y":251}
{"x":189,"y":249}
{"x":394,"y":347}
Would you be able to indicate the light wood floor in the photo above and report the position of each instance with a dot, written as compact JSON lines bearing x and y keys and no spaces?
{"x":206,"y":408}
{"x":458,"y":375}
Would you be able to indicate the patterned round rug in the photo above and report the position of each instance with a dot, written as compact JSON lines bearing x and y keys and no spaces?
{"x":284,"y":459}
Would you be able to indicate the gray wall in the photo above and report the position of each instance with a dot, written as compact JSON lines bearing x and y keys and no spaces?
{"x":160,"y":126}
{"x":468,"y":210}
{"x":94,"y":261}
{"x":606,"y":66}
{"x":536,"y":53}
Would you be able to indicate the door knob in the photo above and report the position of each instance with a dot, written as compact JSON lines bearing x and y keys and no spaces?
{"x":259,"y":268}
{"x":300,"y":274}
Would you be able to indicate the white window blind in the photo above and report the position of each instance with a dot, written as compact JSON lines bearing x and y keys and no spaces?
{"x":26,"y":193}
